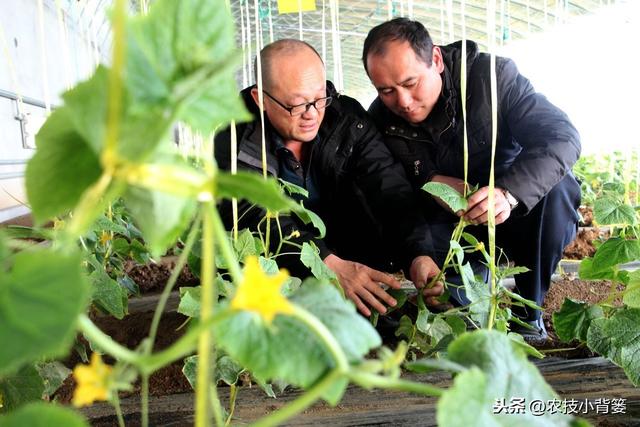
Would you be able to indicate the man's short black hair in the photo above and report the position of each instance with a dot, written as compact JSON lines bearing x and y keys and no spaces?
{"x":398,"y":29}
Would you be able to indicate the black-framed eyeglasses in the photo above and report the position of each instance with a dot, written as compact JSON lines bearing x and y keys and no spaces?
{"x":297,"y":110}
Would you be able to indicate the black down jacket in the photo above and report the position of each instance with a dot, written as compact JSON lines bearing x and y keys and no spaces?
{"x":365,"y":198}
{"x":536,"y":145}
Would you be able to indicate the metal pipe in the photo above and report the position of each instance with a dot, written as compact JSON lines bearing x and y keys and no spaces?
{"x":25,"y":99}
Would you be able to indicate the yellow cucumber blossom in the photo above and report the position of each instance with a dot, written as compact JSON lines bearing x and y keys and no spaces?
{"x":105,"y":237}
{"x":92,"y":380}
{"x":260,"y":293}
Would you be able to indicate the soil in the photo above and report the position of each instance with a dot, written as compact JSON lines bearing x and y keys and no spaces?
{"x":586,"y":213}
{"x":152,"y":277}
{"x":583,"y":247}
{"x":592,"y":292}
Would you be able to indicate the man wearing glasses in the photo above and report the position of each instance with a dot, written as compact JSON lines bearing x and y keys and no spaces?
{"x":325,"y":143}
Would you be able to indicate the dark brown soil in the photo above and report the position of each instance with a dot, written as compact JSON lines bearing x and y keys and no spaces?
{"x":152,"y":277}
{"x":592,"y":292}
{"x":586,"y":212}
{"x":582,"y":247}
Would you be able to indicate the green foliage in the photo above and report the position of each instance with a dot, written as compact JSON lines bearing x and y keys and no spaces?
{"x":245,"y":332}
{"x":40,"y":299}
{"x":447,"y":194}
{"x":618,"y":338}
{"x":612,"y":211}
{"x":21,"y":387}
{"x":573,"y":319}
{"x":162,"y":217}
{"x":42,"y":415}
{"x":497,"y":369}
{"x":53,"y":186}
{"x":631,"y":296}
{"x":310,"y":257}
{"x":616,"y":250}
{"x":108,"y":295}
{"x":53,"y":374}
{"x":224,"y":369}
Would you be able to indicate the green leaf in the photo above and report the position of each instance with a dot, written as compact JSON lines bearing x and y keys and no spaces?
{"x":511,"y":376}
{"x":182,"y":54}
{"x":24,"y":386}
{"x":478,"y":293}
{"x":308,"y":216}
{"x":618,"y":338}
{"x":632,"y":292}
{"x":254,"y":188}
{"x":53,"y":374}
{"x":573,"y":319}
{"x":190,"y":301}
{"x":406,"y":328}
{"x":586,"y":271}
{"x":53,"y":188}
{"x":43,"y":415}
{"x":422,"y":366}
{"x":447,"y":194}
{"x":614,"y":251}
{"x":245,"y":245}
{"x":310,"y":257}
{"x":40,"y":300}
{"x":612,"y":211}
{"x":108,"y":295}
{"x":162,"y":217}
{"x":225,"y":369}
{"x":471,"y":388}
{"x":88,"y":103}
{"x":292,"y":189}
{"x":266,"y":350}
{"x":457,"y":324}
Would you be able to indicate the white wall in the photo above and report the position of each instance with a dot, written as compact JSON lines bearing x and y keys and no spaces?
{"x":70,"y":54}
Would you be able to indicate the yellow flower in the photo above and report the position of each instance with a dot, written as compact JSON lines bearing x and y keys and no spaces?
{"x":105,"y":237}
{"x":92,"y":380}
{"x":260,"y":293}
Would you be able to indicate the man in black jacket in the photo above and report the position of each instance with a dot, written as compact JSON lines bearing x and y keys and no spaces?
{"x":327,"y":144}
{"x":419,"y":110}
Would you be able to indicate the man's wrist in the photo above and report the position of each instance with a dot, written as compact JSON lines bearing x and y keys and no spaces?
{"x":513,"y":202}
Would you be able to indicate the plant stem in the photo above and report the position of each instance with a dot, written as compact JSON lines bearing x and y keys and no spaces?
{"x":180,"y":348}
{"x":233,"y":394}
{"x":225,"y":246}
{"x":457,"y":233}
{"x":144,"y":399}
{"x":182,"y":260}
{"x":203,"y":378}
{"x":302,"y":402}
{"x":105,"y":342}
{"x":116,"y":405}
{"x":369,"y":381}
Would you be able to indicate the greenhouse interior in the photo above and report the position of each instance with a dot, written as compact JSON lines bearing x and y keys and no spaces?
{"x":319,"y":213}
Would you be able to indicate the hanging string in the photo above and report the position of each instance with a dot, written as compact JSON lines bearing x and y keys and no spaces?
{"x":300,"y":35}
{"x":43,"y":59}
{"x":260,"y":94}
{"x":249,"y":38}
{"x":271,"y":39}
{"x":463,"y":95}
{"x":442,"y":38}
{"x":491,"y":223}
{"x":65,"y":47}
{"x":337,"y":51}
{"x":450,"y":19}
{"x":243,"y":40}
{"x":528,"y":17}
{"x":324,"y":32}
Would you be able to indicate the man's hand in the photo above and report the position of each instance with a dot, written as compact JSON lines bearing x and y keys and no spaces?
{"x":422,"y":270}
{"x":362,"y":284}
{"x":478,"y":210}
